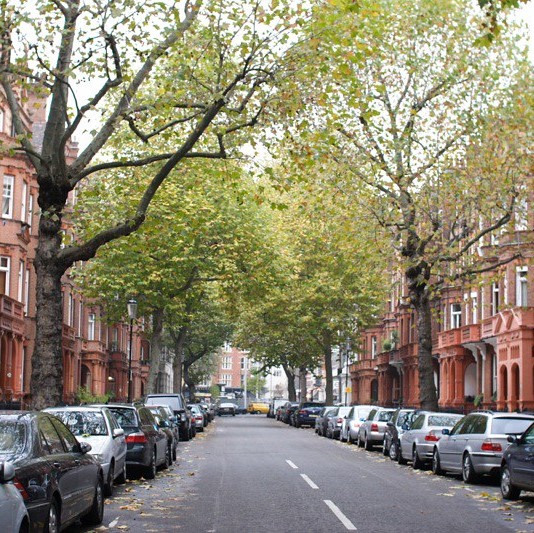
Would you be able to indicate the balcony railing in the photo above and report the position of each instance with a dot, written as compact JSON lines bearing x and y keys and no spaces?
{"x":452,"y":337}
{"x":471,"y":333}
{"x":11,"y":315}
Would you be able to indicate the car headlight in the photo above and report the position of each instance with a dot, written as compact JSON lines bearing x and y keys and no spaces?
{"x":99,"y":457}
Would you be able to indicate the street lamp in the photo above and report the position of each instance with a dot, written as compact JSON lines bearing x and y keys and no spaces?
{"x":132,"y":312}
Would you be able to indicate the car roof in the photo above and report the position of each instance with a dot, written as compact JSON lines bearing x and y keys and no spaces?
{"x":76,"y":408}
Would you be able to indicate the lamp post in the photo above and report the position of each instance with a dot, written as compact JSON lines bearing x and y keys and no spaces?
{"x":132,"y":312}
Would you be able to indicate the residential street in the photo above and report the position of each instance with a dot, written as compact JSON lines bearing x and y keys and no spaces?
{"x":250,"y":473}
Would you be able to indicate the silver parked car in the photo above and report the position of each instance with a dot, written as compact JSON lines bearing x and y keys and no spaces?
{"x":98,"y":427}
{"x":334,"y":423}
{"x":371,"y":432}
{"x":13,"y":513}
{"x":475,"y":445}
{"x":419,"y":438}
{"x":354,"y":419}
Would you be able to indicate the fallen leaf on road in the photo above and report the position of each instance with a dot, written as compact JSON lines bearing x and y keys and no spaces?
{"x":134,"y":507}
{"x":191,"y":474}
{"x":445,"y":494}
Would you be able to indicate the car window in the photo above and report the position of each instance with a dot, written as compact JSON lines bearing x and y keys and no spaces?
{"x":371,"y":414}
{"x":50,"y":439}
{"x":402,"y":417}
{"x":480,"y":424}
{"x":69,"y":440}
{"x":363,"y":414}
{"x":147,"y":418}
{"x":418,"y":422}
{"x":112,"y":421}
{"x":528,"y":437}
{"x":83,"y":423}
{"x":457,"y":427}
{"x":384,"y":416}
{"x":125,"y":417}
{"x":13,"y":436}
{"x":442,"y":421}
{"x":509,"y":425}
{"x":468,"y":425}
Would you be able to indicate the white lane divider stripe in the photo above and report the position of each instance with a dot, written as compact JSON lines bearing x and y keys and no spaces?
{"x":309,"y":481}
{"x":342,"y":518}
{"x":291,"y":464}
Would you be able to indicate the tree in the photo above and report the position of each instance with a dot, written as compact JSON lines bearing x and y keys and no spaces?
{"x":197,"y":73}
{"x":407,"y":109}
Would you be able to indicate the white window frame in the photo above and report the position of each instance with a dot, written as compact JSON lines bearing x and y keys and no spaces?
{"x":5,"y":266}
{"x":521,"y":286}
{"x":20,"y":286}
{"x":226,"y":363}
{"x":30,"y":213}
{"x":7,"y":196}
{"x":474,"y":308}
{"x":495,"y":298}
{"x":456,"y":315}
{"x":91,"y":327}
{"x":374,"y":346}
{"x":23,"y":201}
{"x":27,"y":292}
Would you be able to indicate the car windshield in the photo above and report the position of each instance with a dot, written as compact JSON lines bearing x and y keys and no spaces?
{"x":505,"y":425}
{"x":125,"y":417}
{"x":13,"y":436}
{"x":83,"y":423}
{"x":442,"y":421}
{"x":403,"y":417}
{"x":362,"y":414}
{"x":384,"y":416}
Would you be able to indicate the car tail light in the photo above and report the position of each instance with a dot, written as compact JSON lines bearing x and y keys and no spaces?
{"x":303,"y":412}
{"x":22,"y":490}
{"x":136,"y":438}
{"x":489,"y":446}
{"x":199,"y":417}
{"x":374,"y":427}
{"x":340,"y":421}
{"x":431,"y":436}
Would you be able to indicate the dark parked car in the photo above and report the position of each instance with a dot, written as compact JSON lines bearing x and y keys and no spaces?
{"x":164,"y":422}
{"x":306,"y":413}
{"x":177,"y":403}
{"x":285,"y":411}
{"x":226,"y":408}
{"x":146,"y":443}
{"x":322,"y":419}
{"x":335,"y":422}
{"x":57,"y":477}
{"x":394,"y":430}
{"x":517,"y":468}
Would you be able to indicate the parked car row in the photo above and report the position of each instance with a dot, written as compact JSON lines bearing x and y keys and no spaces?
{"x":57,"y":465}
{"x":482,"y":443}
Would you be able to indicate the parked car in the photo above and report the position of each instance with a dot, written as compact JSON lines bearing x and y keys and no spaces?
{"x":284,"y":415}
{"x":98,"y":427}
{"x":177,"y":403}
{"x":475,"y":445}
{"x":517,"y":466}
{"x":209,"y":410}
{"x":289,"y":414}
{"x":394,"y":430}
{"x":354,"y":419}
{"x":58,"y":479}
{"x":198,"y":416}
{"x":420,"y":437}
{"x":146,"y":443}
{"x":274,"y":404}
{"x":226,"y":408}
{"x":322,"y":419}
{"x":371,"y":431}
{"x":306,"y":413}
{"x":13,"y":513}
{"x":334,"y":423}
{"x":257,"y":408}
{"x":164,"y":423}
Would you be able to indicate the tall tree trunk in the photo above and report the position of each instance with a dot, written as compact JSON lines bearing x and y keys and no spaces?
{"x":177,"y":364}
{"x":329,"y":387}
{"x":189,"y":381}
{"x":155,"y":350}
{"x":47,"y":358}
{"x":291,"y":391}
{"x":303,"y":371}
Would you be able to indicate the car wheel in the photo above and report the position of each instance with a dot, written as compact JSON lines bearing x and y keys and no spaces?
{"x":121,"y":478}
{"x":108,"y":487}
{"x":342,"y":437}
{"x":509,"y":491}
{"x":149,"y":471}
{"x":416,"y":460}
{"x":367,"y":444}
{"x":394,"y":451}
{"x":436,"y":464}
{"x":174,"y":453}
{"x":53,"y":518}
{"x":96,"y":513}
{"x":185,"y":434}
{"x":167,"y":461}
{"x":349,"y":438}
{"x":400,"y":459}
{"x":385,"y":448}
{"x":468,"y":472}
{"x":359,"y":441}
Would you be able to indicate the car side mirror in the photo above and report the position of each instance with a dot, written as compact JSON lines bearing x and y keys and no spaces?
{"x":513,"y":439}
{"x":118,"y":433}
{"x":389,"y":424}
{"x":7,"y":472}
{"x":85,"y":447}
{"x":446,"y":431}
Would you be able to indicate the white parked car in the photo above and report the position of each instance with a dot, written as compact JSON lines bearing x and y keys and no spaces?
{"x":351,"y":425}
{"x":98,"y":427}
{"x":13,"y":513}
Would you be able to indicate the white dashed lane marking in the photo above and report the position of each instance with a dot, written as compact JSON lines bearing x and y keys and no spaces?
{"x":291,"y":464}
{"x":309,"y":481}
{"x":342,"y":518}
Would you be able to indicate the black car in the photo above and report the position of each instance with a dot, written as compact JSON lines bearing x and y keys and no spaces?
{"x":146,"y":443}
{"x":306,"y":413}
{"x":177,"y":403}
{"x":517,"y":469}
{"x":59,"y":481}
{"x":321,"y":422}
{"x":165,"y":424}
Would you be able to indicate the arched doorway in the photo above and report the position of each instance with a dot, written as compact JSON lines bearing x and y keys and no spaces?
{"x":374,"y":390}
{"x":503,"y":382}
{"x":470,"y":380}
{"x":515,"y":387}
{"x":85,"y":381}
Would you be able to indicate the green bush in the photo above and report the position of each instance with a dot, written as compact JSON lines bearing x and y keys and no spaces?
{"x":83,"y":395}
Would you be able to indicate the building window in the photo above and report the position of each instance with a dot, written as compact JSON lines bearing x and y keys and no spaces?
{"x":521,"y":286}
{"x":7,"y":196}
{"x":80,"y":319}
{"x":91,"y":329}
{"x":4,"y":275}
{"x":373,"y":346}
{"x":27,"y":292}
{"x":495,"y":298}
{"x":23,"y":202}
{"x":227,"y":363}
{"x":456,"y":316}
{"x":30,"y":213}
{"x":70,"y":310}
{"x":2,"y":120}
{"x":20,"y":287}
{"x":474,"y":308}
{"x":244,"y":363}
{"x":226,"y":379}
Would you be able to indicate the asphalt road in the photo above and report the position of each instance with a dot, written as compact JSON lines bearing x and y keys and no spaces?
{"x":252,"y":474}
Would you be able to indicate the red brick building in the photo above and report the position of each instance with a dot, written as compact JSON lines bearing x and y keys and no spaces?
{"x":95,"y":355}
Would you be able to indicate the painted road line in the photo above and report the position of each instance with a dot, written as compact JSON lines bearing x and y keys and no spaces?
{"x":342,"y":518}
{"x":309,"y":481}
{"x":291,"y":464}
